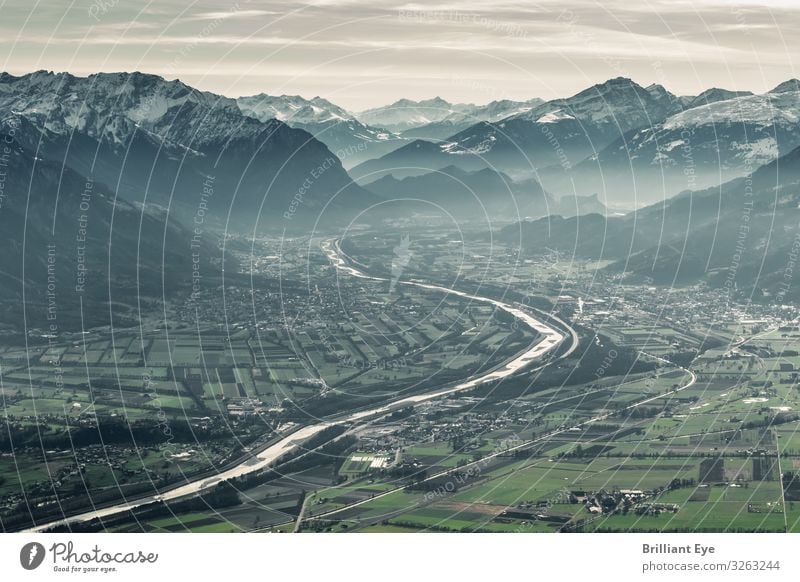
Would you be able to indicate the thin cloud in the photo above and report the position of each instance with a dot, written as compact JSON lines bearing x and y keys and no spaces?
{"x":533,"y":48}
{"x":231,"y":14}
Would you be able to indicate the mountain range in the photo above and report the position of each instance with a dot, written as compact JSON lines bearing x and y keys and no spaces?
{"x":629,"y":144}
{"x":116,"y":186}
{"x":351,"y":140}
{"x":437,"y":119}
{"x":158,"y":141}
{"x":559,"y":132}
{"x":742,"y":236}
{"x":358,"y":137}
{"x":167,"y":166}
{"x":721,"y":138}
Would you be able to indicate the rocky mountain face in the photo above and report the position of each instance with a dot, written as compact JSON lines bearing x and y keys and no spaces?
{"x":711,"y":143}
{"x":353,"y":142}
{"x":161,"y":141}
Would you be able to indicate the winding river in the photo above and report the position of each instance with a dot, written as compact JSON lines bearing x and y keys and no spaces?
{"x":550,"y":339}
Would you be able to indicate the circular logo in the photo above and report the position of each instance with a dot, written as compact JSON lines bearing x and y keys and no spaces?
{"x":31,"y":555}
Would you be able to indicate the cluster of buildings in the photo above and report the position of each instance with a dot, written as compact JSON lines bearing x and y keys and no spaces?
{"x":621,"y":500}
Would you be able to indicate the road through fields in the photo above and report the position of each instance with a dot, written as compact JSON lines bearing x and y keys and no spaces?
{"x":549,"y":339}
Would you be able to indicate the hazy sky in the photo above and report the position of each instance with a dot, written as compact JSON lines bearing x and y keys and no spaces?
{"x":366,"y":53}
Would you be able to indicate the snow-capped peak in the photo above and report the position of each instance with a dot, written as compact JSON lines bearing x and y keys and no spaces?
{"x":112,"y":107}
{"x":292,"y":109}
{"x":554,"y":116}
{"x":782,"y":108}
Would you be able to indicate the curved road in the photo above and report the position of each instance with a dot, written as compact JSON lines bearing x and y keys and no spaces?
{"x":507,"y":450}
{"x":550,"y":340}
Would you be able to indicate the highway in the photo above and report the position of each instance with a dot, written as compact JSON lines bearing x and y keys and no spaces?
{"x":523,"y":445}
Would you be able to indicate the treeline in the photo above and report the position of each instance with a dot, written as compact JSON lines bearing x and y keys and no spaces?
{"x":780,"y":418}
{"x":222,"y":496}
{"x":110,"y":431}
